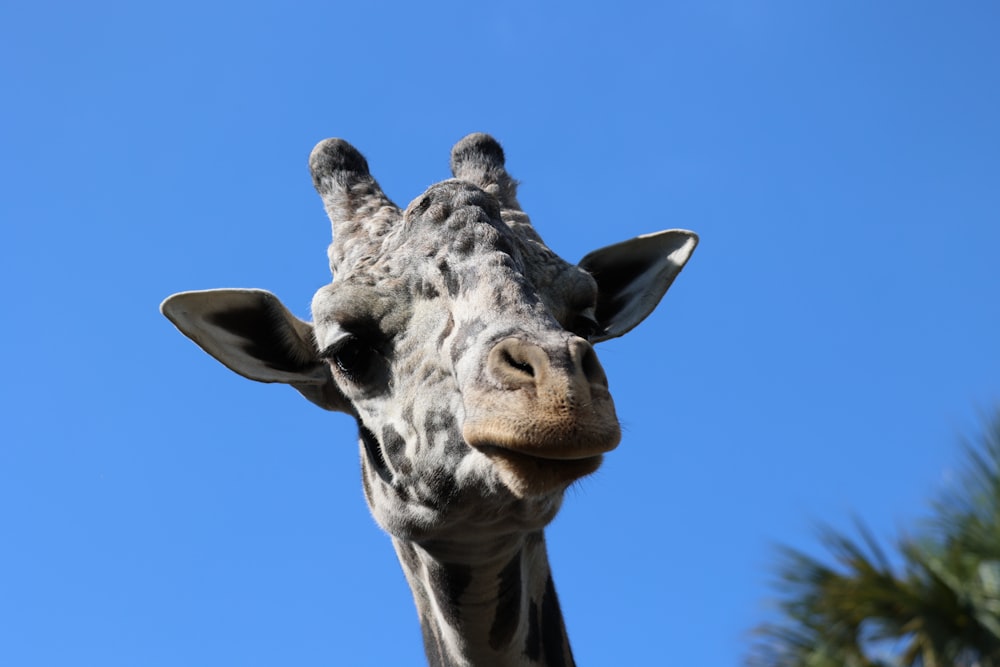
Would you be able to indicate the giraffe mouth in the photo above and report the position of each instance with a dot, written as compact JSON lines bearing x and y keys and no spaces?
{"x":530,"y":475}
{"x":541,"y":456}
{"x":559,"y":439}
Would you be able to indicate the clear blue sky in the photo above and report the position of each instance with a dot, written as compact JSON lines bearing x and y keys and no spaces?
{"x":833,"y":337}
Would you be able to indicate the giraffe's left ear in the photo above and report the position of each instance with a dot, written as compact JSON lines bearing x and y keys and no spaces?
{"x":633,"y":276}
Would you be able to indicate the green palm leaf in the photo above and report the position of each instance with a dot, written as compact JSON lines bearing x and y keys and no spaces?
{"x":939,"y":608}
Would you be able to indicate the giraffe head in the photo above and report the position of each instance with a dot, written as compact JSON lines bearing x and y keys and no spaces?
{"x":457,"y":339}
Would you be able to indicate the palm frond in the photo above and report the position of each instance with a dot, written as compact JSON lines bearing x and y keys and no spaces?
{"x":939,"y":608}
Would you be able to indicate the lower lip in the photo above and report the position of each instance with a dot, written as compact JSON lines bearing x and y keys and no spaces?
{"x":569,"y":468}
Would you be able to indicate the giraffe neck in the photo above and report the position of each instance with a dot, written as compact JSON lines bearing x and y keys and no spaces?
{"x":487,"y":604}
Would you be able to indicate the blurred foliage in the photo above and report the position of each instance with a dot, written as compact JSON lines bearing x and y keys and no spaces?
{"x":939,"y":606}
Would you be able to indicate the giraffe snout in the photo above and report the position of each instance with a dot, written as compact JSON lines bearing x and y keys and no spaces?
{"x":545,"y":416}
{"x":519,"y":364}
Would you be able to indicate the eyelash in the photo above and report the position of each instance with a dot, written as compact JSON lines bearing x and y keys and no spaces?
{"x":352,"y":357}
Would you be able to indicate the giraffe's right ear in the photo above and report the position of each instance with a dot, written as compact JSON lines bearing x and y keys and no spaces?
{"x":253,"y":334}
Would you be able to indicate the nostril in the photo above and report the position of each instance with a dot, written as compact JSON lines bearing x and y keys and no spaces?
{"x":517,"y":364}
{"x":588,"y":362}
{"x":522,"y":366}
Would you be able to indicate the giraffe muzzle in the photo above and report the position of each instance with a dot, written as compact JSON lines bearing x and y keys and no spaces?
{"x":547,"y":415}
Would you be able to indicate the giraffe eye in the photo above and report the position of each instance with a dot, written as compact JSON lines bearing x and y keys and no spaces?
{"x":352,"y":357}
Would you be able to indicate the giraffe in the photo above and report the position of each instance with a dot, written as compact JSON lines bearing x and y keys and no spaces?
{"x":463,"y":348}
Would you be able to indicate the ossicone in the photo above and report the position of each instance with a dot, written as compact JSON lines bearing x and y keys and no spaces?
{"x":479,"y":159}
{"x":336,"y":163}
